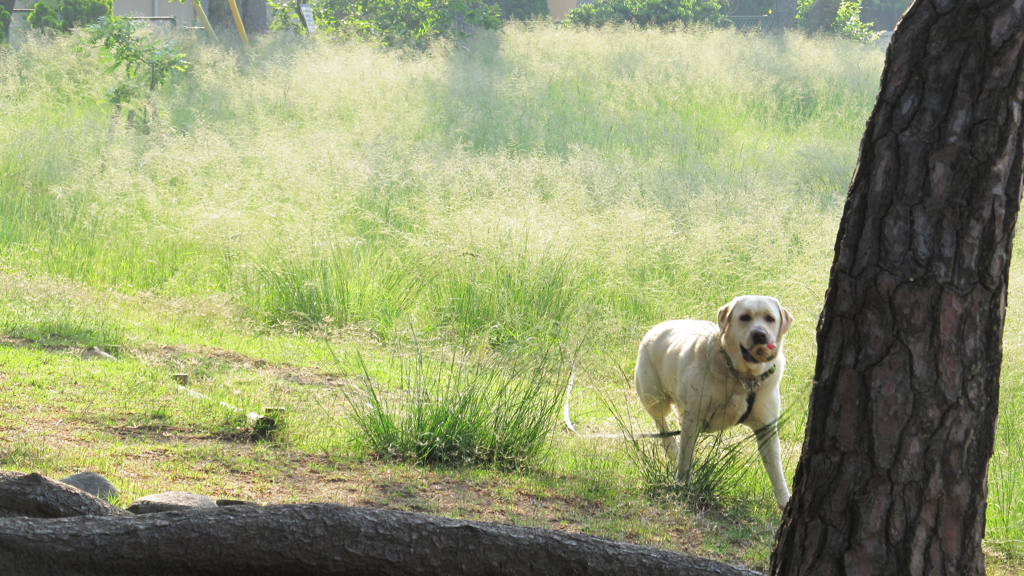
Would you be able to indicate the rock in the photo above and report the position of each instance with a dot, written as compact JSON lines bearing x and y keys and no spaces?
{"x":93,"y":483}
{"x":170,"y":501}
{"x":95,"y":352}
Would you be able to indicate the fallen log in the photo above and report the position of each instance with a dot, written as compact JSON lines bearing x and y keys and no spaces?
{"x":36,"y":496}
{"x":315,"y":539}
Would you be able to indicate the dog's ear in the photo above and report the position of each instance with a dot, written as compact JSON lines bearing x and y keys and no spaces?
{"x":787,"y":321}
{"x":723,"y":315}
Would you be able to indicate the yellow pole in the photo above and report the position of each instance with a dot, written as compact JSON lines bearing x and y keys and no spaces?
{"x":202,"y":18}
{"x":238,"y":22}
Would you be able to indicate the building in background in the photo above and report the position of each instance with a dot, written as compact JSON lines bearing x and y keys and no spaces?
{"x":182,"y":11}
{"x":558,"y":8}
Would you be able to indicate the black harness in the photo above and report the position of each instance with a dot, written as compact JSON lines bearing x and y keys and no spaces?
{"x":750,"y":406}
{"x":750,"y":384}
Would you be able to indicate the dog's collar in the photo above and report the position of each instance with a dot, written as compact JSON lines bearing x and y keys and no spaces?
{"x":749,"y":384}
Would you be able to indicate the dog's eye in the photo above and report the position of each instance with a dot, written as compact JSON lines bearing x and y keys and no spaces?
{"x":769,"y":319}
{"x":745,"y":318}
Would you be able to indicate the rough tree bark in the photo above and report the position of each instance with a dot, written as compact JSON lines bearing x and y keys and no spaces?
{"x":35,"y":496}
{"x":783,"y":17}
{"x":892,"y":478}
{"x":318,"y":539}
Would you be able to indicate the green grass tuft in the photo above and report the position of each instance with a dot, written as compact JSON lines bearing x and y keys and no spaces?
{"x":454,"y":412}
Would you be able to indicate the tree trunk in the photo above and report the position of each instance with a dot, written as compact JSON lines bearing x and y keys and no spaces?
{"x":319,"y":539}
{"x":892,"y":477}
{"x":253,"y":12}
{"x":820,"y":16}
{"x":783,"y":16}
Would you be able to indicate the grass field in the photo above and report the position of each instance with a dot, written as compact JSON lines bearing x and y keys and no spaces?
{"x":312,"y":224}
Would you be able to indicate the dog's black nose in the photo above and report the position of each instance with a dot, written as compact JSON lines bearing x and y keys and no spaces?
{"x":759,"y":337}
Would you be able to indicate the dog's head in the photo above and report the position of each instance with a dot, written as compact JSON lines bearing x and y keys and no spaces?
{"x":753,"y":327}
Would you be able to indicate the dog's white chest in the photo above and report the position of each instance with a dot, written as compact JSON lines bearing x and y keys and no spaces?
{"x":735,"y":409}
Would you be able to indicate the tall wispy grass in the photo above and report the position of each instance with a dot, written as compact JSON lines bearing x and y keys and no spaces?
{"x":533,"y":182}
{"x":537,"y":185}
{"x":52,"y":313}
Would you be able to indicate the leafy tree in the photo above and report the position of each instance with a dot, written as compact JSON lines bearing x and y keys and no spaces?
{"x":848,"y":24}
{"x":117,"y":36}
{"x":77,"y":13}
{"x":5,"y":23}
{"x":140,"y":57}
{"x":390,"y":22}
{"x":644,"y":12}
{"x":69,"y":14}
{"x":43,"y":17}
{"x":816,"y":15}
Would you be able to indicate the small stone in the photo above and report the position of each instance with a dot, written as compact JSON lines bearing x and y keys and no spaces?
{"x":170,"y":501}
{"x":96,"y":352}
{"x":93,"y":483}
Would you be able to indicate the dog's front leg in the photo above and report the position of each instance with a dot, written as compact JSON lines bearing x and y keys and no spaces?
{"x":687,"y":439}
{"x":771,"y":455}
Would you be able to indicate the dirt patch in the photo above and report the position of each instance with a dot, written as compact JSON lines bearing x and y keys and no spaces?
{"x":183,"y":357}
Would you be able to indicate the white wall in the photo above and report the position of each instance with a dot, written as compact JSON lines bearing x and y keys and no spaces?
{"x":183,"y":11}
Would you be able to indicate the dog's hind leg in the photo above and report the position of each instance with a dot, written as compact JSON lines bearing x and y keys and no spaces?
{"x":661,"y":411}
{"x":655,"y":402}
{"x":687,"y":440}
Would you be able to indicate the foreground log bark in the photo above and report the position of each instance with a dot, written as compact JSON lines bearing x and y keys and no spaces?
{"x":35,"y":496}
{"x":892,"y":477}
{"x":315,"y":539}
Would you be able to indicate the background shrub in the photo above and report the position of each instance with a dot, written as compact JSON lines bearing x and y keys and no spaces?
{"x":5,"y":24}
{"x":522,"y":9}
{"x":42,"y":17}
{"x":848,"y":24}
{"x":644,"y":12}
{"x":391,"y":23}
{"x":69,"y":14}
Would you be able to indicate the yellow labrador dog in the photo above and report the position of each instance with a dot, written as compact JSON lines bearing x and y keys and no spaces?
{"x":715,"y":377}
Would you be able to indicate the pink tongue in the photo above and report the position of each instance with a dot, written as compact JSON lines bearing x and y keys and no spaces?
{"x":771,"y":346}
